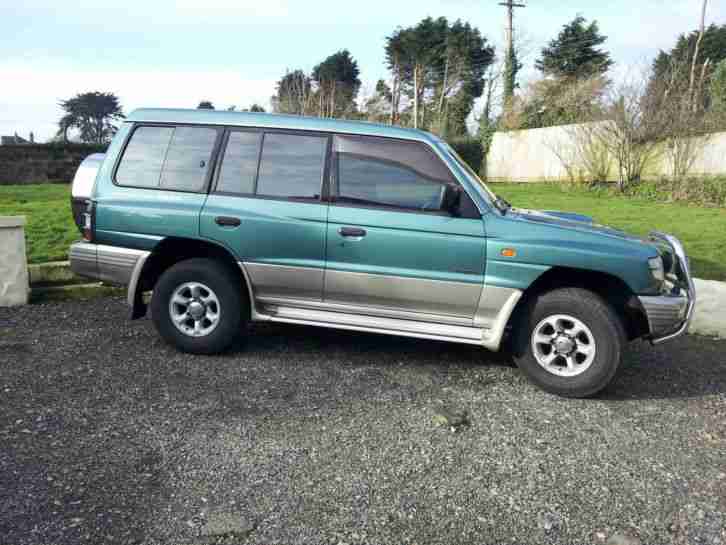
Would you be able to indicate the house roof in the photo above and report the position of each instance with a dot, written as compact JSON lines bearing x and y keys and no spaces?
{"x":11,"y":140}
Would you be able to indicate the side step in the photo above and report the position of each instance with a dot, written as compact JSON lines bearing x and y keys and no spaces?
{"x":375,"y":324}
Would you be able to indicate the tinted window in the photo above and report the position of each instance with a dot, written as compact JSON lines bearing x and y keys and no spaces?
{"x":291,"y":165}
{"x":239,"y":166}
{"x":144,"y":157}
{"x":368,"y":179}
{"x":167,"y":157}
{"x":390,"y":173}
{"x":187,"y":159}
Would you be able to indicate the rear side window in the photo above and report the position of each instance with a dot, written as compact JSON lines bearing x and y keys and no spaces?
{"x":375,"y":171}
{"x":174,"y":158}
{"x":291,"y":165}
{"x":239,"y":165}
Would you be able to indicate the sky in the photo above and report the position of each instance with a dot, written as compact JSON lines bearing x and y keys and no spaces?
{"x":163,"y":53}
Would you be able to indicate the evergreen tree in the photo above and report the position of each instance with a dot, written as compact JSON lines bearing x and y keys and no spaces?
{"x":338,"y":84}
{"x":574,"y":53}
{"x":93,"y":114}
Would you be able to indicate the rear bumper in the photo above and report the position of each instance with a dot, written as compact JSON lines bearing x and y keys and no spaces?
{"x":669,"y":315}
{"x":111,"y":264}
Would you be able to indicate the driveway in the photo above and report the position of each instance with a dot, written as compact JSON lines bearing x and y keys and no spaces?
{"x":318,"y":436}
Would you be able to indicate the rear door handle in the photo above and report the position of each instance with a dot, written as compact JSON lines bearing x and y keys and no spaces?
{"x":227,"y":221}
{"x":351,"y":232}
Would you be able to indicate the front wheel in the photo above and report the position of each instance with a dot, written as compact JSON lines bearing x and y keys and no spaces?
{"x":569,"y":342}
{"x":199,"y":307}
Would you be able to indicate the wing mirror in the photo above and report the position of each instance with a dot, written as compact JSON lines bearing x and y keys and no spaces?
{"x":451,"y":199}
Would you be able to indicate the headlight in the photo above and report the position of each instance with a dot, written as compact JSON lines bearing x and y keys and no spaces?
{"x":656,"y":268}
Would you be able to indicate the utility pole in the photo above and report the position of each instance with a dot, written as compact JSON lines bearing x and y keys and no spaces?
{"x":510,"y":61}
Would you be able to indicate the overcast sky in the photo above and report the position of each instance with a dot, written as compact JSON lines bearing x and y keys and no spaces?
{"x":175,"y":53}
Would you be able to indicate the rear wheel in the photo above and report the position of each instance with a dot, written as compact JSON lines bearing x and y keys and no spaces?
{"x":569,"y":342}
{"x":199,"y":307}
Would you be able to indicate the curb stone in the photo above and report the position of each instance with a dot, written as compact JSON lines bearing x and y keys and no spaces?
{"x":74,"y":291}
{"x":710,"y":315}
{"x":53,"y":272}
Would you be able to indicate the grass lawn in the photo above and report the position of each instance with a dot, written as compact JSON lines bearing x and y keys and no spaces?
{"x":51,"y":230}
{"x":701,"y":230}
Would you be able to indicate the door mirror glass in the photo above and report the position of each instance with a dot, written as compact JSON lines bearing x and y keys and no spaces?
{"x":450,"y":199}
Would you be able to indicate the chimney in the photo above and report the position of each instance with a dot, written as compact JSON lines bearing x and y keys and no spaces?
{"x":32,"y":137}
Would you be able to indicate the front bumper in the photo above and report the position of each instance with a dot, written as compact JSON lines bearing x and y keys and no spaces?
{"x":670,"y":314}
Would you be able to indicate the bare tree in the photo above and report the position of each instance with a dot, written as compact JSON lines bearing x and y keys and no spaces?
{"x":295,"y":94}
{"x":684,"y":128}
{"x":694,"y":62}
{"x":630,"y":131}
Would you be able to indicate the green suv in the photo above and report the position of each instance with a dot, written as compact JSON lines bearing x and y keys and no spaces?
{"x":235,"y":217}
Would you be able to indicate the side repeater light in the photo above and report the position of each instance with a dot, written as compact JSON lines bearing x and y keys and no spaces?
{"x":509,"y":252}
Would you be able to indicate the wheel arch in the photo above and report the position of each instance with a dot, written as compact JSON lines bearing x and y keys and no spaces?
{"x":612,"y":289}
{"x":173,"y":250}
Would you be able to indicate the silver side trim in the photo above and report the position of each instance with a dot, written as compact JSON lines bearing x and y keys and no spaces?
{"x":115,"y":264}
{"x":111,"y":264}
{"x":365,"y":310}
{"x":495,"y":307}
{"x":82,"y":258}
{"x":134,"y":280}
{"x":491,"y":302}
{"x":285,"y":281}
{"x":388,"y":326}
{"x":337,"y":316}
{"x":494,"y":334}
{"x":437,"y":297}
{"x":255,"y":314}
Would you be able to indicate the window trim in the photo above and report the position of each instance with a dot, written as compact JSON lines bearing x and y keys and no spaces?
{"x":263,"y":131}
{"x":329,"y":171}
{"x":211,"y":167}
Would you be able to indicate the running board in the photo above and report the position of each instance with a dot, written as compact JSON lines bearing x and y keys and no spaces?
{"x":371,"y":324}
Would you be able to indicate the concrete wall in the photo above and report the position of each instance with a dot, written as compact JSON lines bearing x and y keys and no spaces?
{"x":40,"y":163}
{"x":534,"y":156}
{"x":13,"y":263}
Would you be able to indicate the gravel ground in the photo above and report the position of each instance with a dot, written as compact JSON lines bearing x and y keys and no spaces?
{"x":319,"y":436}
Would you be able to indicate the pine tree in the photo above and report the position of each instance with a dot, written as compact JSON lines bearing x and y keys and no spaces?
{"x":574,"y":53}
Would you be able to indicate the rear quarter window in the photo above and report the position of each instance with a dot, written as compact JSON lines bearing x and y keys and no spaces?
{"x":173,"y":158}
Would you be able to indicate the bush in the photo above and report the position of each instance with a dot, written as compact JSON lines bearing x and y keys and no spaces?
{"x":703,"y":190}
{"x":471,"y":151}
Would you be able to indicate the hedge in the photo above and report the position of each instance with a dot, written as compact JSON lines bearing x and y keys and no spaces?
{"x":471,"y":151}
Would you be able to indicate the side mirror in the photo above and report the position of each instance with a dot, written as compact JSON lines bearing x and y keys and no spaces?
{"x":451,"y":199}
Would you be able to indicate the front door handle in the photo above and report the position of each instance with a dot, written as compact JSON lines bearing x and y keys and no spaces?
{"x":227,"y":221}
{"x":351,"y":232}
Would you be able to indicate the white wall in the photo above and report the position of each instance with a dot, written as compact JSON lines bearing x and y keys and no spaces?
{"x":532,"y":156}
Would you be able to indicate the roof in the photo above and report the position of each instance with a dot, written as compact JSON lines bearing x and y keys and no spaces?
{"x":276,"y":121}
{"x":12,"y":140}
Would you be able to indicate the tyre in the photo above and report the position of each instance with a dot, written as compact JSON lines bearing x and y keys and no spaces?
{"x":569,"y":342}
{"x":198,"y":306}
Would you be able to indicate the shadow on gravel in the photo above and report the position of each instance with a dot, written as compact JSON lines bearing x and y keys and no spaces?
{"x":688,"y":367}
{"x":691,"y":366}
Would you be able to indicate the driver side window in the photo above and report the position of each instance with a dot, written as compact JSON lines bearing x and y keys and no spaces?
{"x":374,"y":171}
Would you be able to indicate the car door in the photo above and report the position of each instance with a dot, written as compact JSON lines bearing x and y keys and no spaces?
{"x":391,"y":249}
{"x":266,"y":208}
